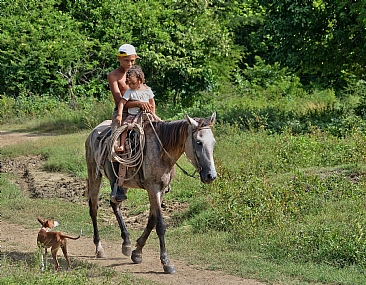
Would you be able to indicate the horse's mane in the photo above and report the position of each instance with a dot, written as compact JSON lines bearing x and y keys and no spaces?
{"x":173,"y":134}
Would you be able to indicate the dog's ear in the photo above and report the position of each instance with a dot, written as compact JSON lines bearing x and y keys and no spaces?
{"x":40,"y":220}
{"x":55,"y":224}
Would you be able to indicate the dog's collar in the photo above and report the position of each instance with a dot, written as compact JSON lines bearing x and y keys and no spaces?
{"x":46,"y":229}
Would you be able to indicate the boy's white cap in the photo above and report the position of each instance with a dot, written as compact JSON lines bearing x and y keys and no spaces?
{"x":127,"y":50}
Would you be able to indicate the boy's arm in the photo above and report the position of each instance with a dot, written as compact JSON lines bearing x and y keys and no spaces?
{"x":113,"y":85}
{"x":116,"y":90}
{"x":146,"y":106}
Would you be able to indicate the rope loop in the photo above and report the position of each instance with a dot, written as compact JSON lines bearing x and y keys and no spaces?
{"x":133,"y":153}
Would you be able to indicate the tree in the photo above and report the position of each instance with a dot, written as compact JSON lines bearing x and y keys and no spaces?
{"x":321,"y":40}
{"x":37,"y":44}
{"x":45,"y":45}
{"x":244,"y":19}
{"x":185,"y":49}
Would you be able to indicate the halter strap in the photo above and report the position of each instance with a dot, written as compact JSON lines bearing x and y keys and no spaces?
{"x":161,"y":144}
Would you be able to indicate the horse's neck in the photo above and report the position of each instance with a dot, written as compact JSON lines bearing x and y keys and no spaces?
{"x":173,"y":136}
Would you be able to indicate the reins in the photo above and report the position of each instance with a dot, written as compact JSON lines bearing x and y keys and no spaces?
{"x":136,"y":159}
{"x":168,"y":154}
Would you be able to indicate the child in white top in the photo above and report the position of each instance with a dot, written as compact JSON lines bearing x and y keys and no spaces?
{"x":138,"y":91}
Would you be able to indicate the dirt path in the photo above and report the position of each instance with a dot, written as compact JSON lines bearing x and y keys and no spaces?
{"x":21,"y":241}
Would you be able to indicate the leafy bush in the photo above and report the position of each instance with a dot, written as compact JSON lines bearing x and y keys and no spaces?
{"x":273,"y":79}
{"x":288,"y":190}
{"x":66,"y":49}
{"x":43,"y":51}
{"x":56,"y":114}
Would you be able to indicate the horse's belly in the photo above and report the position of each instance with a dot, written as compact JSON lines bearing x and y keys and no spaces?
{"x":131,"y":184}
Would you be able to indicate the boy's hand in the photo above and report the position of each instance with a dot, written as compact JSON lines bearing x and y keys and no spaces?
{"x":146,"y":106}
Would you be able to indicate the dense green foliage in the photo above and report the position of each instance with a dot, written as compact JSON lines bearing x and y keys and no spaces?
{"x":65,"y":49}
{"x":324,"y":41}
{"x":289,"y":189}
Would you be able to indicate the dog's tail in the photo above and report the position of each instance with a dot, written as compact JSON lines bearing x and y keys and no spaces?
{"x":74,"y":238}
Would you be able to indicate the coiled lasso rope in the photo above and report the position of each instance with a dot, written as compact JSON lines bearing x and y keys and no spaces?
{"x":132,"y":157}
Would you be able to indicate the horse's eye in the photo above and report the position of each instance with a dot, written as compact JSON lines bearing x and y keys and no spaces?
{"x":199,"y":143}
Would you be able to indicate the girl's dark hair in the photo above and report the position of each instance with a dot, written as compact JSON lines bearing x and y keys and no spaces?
{"x":136,"y":71}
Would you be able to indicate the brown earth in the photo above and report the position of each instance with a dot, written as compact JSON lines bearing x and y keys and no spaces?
{"x":41,"y":184}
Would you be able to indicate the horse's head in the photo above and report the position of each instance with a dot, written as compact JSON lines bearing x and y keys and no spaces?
{"x":199,"y":147}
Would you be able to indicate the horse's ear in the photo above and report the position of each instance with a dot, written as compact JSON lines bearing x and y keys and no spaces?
{"x":193,"y":123}
{"x":213,"y":118}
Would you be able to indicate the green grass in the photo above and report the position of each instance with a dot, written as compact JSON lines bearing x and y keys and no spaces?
{"x":27,"y":272}
{"x":243,"y":257}
{"x":286,"y":208}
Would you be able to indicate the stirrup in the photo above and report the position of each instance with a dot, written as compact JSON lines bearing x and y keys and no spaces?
{"x":117,"y":196}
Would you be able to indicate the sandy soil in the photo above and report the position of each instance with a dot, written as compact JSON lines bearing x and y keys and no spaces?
{"x":19,"y":242}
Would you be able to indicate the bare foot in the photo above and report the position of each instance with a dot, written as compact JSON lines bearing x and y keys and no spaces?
{"x":118,"y":149}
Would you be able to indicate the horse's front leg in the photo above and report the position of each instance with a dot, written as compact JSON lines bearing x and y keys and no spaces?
{"x":115,"y":202}
{"x":126,"y":244}
{"x":155,"y":219}
{"x":160,"y":230}
{"x":141,"y":241}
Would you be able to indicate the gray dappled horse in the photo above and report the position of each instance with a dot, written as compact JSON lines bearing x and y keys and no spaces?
{"x":193,"y":137}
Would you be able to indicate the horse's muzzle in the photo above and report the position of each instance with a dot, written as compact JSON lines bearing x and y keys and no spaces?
{"x":208,"y":177}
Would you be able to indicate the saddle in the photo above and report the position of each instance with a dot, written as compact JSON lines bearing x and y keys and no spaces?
{"x":132,"y":156}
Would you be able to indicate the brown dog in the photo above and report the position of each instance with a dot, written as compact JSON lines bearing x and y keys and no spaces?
{"x":54,"y":240}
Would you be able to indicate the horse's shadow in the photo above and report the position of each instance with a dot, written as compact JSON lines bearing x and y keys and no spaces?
{"x":16,"y":256}
{"x":131,"y":264}
{"x":33,"y":260}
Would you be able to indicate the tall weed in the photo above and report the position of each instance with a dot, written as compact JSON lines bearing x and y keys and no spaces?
{"x":271,"y":186}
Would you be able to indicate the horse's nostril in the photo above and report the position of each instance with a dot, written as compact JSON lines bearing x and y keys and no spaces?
{"x":211,"y":177}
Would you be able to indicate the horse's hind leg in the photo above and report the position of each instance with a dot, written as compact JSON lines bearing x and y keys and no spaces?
{"x":126,"y":244}
{"x":93,"y":209}
{"x":94,"y":180}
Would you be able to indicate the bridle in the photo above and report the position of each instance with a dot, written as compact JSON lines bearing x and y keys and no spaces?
{"x":196,"y":162}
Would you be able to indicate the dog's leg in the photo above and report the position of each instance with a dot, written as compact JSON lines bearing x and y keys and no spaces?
{"x":54,"y":256}
{"x":43,"y":255}
{"x":45,"y":258}
{"x":64,"y":250}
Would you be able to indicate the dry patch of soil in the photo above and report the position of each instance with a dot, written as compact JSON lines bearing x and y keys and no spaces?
{"x":18,"y":242}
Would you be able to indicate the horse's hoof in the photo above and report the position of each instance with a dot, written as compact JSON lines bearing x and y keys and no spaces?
{"x":101,"y":254}
{"x":126,"y":250}
{"x":136,"y":257}
{"x":169,"y":269}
